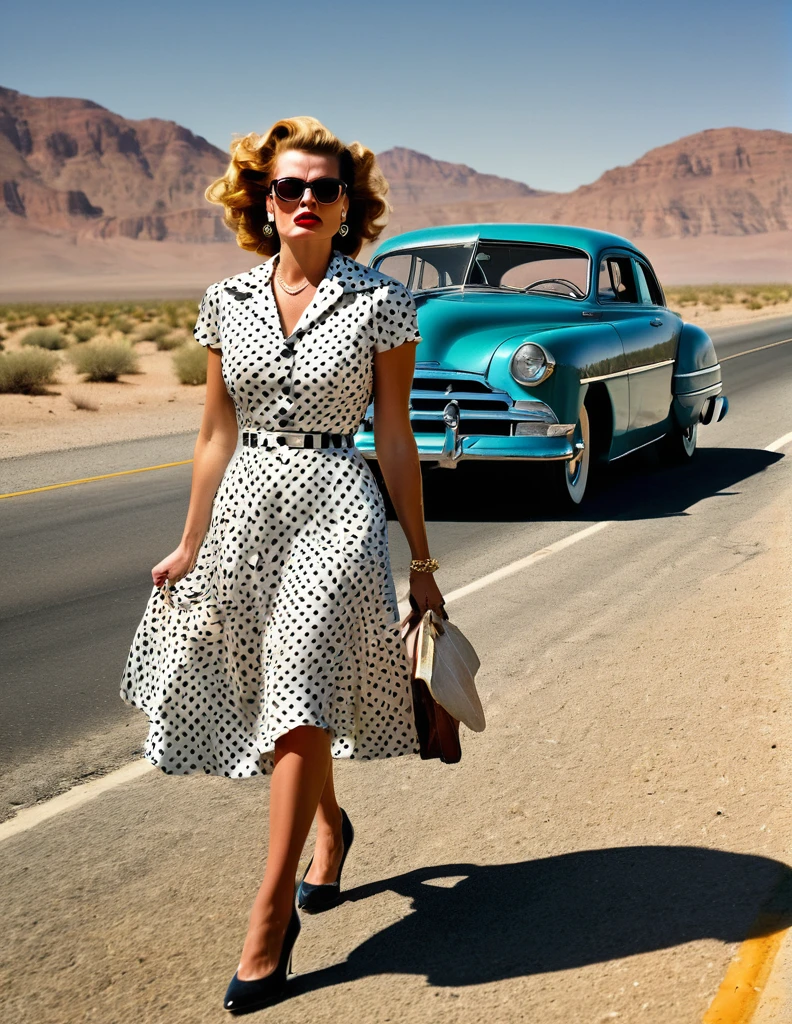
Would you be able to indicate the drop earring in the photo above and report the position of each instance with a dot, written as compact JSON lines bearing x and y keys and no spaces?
{"x":344,"y":229}
{"x":268,"y":229}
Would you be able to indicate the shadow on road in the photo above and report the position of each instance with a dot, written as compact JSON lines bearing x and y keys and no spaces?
{"x":511,"y":920}
{"x":636,"y":487}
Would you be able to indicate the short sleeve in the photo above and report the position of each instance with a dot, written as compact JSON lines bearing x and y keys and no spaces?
{"x":395,"y":316}
{"x":207,"y":327}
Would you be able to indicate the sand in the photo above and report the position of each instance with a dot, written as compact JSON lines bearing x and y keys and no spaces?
{"x":151,"y":403}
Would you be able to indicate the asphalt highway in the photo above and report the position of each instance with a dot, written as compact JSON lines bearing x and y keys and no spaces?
{"x":600,"y":852}
{"x":76,"y":561}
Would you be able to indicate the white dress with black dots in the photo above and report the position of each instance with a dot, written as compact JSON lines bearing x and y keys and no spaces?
{"x":289,"y":616}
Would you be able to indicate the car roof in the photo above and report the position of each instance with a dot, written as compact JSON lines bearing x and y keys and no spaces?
{"x":548,"y":234}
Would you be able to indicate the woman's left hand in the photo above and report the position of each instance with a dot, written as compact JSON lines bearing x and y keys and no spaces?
{"x":425,"y":592}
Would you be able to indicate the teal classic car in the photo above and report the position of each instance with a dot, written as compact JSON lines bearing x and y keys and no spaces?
{"x":546,"y":344}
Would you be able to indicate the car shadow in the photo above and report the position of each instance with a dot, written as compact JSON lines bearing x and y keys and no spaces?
{"x":471,"y":924}
{"x":639,"y":486}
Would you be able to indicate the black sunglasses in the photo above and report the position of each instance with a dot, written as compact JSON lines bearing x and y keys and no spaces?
{"x":325,"y":190}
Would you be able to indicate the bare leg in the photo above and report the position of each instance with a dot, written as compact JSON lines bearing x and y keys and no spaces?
{"x":302,"y":763}
{"x":329,"y":843}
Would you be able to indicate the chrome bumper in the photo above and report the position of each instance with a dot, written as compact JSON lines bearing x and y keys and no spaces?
{"x":483,"y":447}
{"x":458,"y":415}
{"x":702,"y":405}
{"x":538,"y":441}
{"x":715,"y":408}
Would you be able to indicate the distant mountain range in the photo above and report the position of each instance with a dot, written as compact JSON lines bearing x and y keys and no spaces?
{"x":70,"y":167}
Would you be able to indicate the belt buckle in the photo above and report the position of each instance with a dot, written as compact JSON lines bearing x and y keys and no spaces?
{"x":294,"y":440}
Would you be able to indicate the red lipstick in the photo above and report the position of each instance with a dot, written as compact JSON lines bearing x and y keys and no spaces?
{"x":307,"y":218}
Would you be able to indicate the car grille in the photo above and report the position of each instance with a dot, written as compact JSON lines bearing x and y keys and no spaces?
{"x":482,"y":409}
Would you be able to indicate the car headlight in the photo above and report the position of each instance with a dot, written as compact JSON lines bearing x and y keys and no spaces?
{"x":531,"y":364}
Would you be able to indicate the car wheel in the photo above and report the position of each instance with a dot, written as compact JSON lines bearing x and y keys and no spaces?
{"x":570,"y":479}
{"x":680,"y":445}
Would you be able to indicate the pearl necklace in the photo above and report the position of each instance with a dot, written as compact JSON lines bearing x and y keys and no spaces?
{"x":286,"y":287}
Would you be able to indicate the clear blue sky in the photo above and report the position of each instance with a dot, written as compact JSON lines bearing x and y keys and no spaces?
{"x":551,"y":94}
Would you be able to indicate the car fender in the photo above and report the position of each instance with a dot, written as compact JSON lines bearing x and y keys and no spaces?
{"x":697,"y":374}
{"x":580,"y":353}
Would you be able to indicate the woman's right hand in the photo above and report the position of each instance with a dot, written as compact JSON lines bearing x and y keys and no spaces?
{"x":175,"y":566}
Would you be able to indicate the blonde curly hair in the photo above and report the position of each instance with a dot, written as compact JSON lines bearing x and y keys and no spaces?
{"x":243,"y":188}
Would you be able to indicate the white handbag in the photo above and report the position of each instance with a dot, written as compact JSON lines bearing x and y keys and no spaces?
{"x":447,"y":663}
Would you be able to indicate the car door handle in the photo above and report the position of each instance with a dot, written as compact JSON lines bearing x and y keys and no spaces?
{"x":656,"y":322}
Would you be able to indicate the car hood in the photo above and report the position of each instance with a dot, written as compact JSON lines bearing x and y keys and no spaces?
{"x":461,"y":330}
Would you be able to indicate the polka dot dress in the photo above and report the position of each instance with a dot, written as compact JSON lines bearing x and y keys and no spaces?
{"x":289,"y":615}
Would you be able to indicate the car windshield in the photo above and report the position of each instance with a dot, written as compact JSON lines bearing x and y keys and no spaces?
{"x":532,"y":269}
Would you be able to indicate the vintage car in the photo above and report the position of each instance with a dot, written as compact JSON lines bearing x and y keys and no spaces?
{"x":546,"y":343}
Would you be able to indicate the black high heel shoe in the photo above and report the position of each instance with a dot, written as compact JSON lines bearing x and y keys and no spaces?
{"x":313,"y":899}
{"x":246,"y":996}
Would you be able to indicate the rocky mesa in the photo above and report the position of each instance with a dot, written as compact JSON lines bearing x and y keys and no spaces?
{"x":72,"y":166}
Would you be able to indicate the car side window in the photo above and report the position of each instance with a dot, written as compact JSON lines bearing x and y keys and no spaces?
{"x":399,"y":265}
{"x":426,"y":274}
{"x":648,"y":288}
{"x":616,"y":280}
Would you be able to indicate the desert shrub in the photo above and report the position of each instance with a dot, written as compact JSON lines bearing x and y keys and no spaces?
{"x":45,"y":337}
{"x":27,"y":373}
{"x":177,"y":313}
{"x":122,"y":323}
{"x":154,"y":331}
{"x":85,"y":330}
{"x":88,"y":310}
{"x":104,"y":360}
{"x":172,"y":313}
{"x":171,"y":341}
{"x":717,"y":295}
{"x":190,"y":364}
{"x":720,"y":293}
{"x":685,"y":296}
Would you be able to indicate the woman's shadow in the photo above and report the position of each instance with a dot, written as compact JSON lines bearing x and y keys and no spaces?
{"x":484,"y":924}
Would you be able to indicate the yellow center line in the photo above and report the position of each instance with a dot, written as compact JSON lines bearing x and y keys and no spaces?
{"x":738,"y":997}
{"x":740,"y":992}
{"x":90,"y":479}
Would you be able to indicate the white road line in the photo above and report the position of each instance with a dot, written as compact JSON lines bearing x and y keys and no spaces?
{"x":761,"y":348}
{"x":779,"y":443}
{"x":32,"y":816}
{"x":524,"y":563}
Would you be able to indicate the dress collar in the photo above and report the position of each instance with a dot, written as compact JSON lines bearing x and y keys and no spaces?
{"x":343,"y":274}
{"x":342,"y":271}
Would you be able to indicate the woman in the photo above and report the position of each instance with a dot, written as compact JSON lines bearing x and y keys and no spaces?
{"x":280,"y":647}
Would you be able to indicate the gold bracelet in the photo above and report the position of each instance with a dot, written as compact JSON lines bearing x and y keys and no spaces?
{"x":424,"y":565}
